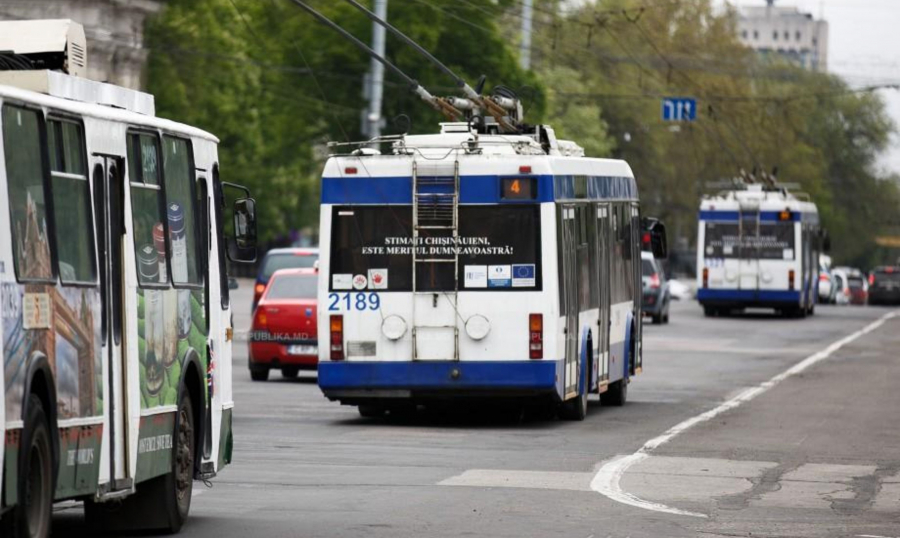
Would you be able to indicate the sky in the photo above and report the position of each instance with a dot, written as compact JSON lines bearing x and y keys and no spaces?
{"x":863,"y":48}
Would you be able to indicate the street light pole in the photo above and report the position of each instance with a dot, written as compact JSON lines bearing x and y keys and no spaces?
{"x":376,"y":74}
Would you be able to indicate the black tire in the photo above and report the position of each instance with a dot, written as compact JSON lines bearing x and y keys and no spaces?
{"x":33,"y":516}
{"x":666,"y":317}
{"x":574,"y":409}
{"x":657,"y":319}
{"x":371,"y":411}
{"x":709,"y":311}
{"x":290,"y":372}
{"x":161,"y":504}
{"x":616,"y":394}
{"x":259,"y":373}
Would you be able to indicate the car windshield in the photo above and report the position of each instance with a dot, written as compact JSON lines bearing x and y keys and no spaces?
{"x":293,"y":287}
{"x":647,"y":267}
{"x":287,"y":260}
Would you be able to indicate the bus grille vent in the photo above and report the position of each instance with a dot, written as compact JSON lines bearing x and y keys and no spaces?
{"x":361,"y":349}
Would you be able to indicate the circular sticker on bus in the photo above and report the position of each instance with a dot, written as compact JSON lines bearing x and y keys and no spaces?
{"x":359,"y":282}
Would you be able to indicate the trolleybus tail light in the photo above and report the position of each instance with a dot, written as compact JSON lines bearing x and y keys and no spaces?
{"x":337,"y":337}
{"x":791,"y":279}
{"x":524,"y":169}
{"x":705,"y":277}
{"x":536,"y":336}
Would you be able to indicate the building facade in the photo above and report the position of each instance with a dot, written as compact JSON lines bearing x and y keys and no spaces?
{"x":787,"y":32}
{"x":114,"y":30}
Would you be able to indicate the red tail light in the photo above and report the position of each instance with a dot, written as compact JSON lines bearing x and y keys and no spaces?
{"x":705,"y":277}
{"x":536,"y":336}
{"x":791,"y":279}
{"x":872,"y":279}
{"x":260,"y":319}
{"x":823,"y":278}
{"x":654,"y":281}
{"x":337,"y":337}
{"x":258,"y":291}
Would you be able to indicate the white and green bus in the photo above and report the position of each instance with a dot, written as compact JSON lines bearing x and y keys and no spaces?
{"x":115,"y":322}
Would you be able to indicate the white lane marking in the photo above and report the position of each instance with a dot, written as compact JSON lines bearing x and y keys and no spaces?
{"x":606,"y":481}
{"x":503,"y":478}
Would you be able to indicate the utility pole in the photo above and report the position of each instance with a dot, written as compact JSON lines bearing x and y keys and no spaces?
{"x":525,"y":46}
{"x":375,"y":78}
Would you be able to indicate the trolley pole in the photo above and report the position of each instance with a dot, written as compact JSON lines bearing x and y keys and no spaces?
{"x":376,"y":74}
{"x":525,"y":46}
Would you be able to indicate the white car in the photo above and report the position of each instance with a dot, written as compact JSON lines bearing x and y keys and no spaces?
{"x":841,"y":287}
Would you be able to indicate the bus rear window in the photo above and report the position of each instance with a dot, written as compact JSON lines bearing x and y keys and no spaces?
{"x":774,"y":241}
{"x":498,"y":248}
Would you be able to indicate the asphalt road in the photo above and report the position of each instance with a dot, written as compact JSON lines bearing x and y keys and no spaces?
{"x":815,"y":452}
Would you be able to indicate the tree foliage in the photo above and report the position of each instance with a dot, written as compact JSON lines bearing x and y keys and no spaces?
{"x":754,"y":113}
{"x":275,"y":85}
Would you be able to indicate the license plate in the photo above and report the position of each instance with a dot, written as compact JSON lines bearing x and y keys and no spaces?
{"x":303,"y":350}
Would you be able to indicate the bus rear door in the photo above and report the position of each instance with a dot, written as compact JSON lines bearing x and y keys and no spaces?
{"x":109,"y":213}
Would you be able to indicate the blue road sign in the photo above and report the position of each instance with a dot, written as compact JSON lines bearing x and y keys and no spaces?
{"x":679,"y":109}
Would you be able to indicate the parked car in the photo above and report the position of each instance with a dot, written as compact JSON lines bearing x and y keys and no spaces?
{"x":283,"y":332}
{"x":884,"y":285}
{"x":841,"y":287}
{"x":655,"y":289}
{"x":827,"y":289}
{"x":282,"y":258}
{"x":859,"y":288}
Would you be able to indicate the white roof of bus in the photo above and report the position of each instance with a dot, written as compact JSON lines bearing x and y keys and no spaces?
{"x":499,"y":155}
{"x":101,"y":112}
{"x":767,"y":201}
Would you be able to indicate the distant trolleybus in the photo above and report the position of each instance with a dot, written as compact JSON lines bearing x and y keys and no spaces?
{"x":115,"y":322}
{"x":465,"y":264}
{"x":758,"y":247}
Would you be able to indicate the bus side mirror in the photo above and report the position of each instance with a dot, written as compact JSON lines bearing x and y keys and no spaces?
{"x":243,"y":244}
{"x":653,"y":238}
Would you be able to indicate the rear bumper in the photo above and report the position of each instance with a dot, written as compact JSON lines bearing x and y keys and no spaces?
{"x":748,"y":298}
{"x":276,"y":355}
{"x":353,"y":381}
{"x":884,"y":297}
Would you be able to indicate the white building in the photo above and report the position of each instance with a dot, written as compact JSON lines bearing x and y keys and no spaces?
{"x":785,"y":31}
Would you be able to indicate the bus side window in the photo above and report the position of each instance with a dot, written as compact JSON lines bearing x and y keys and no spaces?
{"x":219,"y":209}
{"x":25,"y":172}
{"x":205,"y":237}
{"x":181,"y":212}
{"x":148,"y":211}
{"x":71,"y":203}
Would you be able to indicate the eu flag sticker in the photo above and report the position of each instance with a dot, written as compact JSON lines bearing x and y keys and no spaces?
{"x":523,"y":276}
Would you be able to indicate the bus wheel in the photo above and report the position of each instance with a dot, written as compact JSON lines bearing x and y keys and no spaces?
{"x":31,"y":518}
{"x":616,"y":394}
{"x":371,"y":411}
{"x":575,"y":409}
{"x":160,"y":504}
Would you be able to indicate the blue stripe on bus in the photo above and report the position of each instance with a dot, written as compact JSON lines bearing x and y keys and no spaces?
{"x":768,"y":296}
{"x":765,"y":216}
{"x":474,"y":189}
{"x":536,"y":375}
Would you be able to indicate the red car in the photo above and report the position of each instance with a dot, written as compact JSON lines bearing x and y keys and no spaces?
{"x":283,"y":333}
